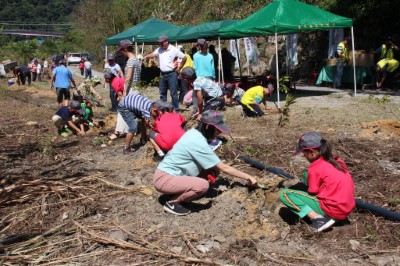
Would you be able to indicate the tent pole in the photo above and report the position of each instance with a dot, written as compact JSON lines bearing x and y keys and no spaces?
{"x":106,"y":53}
{"x":237,"y":52}
{"x":136,"y":49}
{"x":142,"y":48}
{"x":220,"y":67}
{"x":354,"y":62}
{"x":287,"y":56}
{"x":277,"y":67}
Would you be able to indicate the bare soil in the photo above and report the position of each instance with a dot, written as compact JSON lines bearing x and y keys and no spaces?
{"x":80,"y":201}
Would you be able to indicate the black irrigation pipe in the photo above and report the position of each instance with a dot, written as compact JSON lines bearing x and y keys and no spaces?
{"x":359,"y":203}
{"x":378,"y":210}
{"x":262,"y":166}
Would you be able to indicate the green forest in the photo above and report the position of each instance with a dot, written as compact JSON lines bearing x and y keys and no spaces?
{"x":87,"y":23}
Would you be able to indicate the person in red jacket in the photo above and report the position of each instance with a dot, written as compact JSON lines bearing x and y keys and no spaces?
{"x":330,"y":196}
{"x":167,"y":129}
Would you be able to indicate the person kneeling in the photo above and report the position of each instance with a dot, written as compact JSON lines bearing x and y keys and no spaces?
{"x":178,"y":174}
{"x":330,"y":194}
{"x":68,"y":117}
{"x":252,"y":99}
{"x":167,"y":129}
{"x":131,"y":108}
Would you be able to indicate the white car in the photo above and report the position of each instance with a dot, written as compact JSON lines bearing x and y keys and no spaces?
{"x":74,"y":58}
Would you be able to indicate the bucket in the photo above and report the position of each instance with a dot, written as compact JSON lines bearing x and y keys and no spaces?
{"x":9,"y":83}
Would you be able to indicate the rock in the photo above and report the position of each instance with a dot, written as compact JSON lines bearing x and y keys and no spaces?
{"x":176,"y":250}
{"x":155,"y":228}
{"x":354,"y":244}
{"x":160,"y":225}
{"x":356,"y":261}
{"x":129,"y":183}
{"x":118,"y":235}
{"x":210,"y":244}
{"x":31,"y":123}
{"x":220,"y":238}
{"x":381,"y":261}
{"x":248,"y":262}
{"x":65,"y":215}
{"x":147,"y":191}
{"x":103,"y":145}
{"x":202,"y":248}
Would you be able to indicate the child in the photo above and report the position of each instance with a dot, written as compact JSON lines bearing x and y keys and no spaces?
{"x":207,"y":92}
{"x":330,"y":194}
{"x":252,"y":99}
{"x":168,"y":127}
{"x":81,"y":67}
{"x":88,"y":115}
{"x":68,"y":117}
{"x":234,"y":94}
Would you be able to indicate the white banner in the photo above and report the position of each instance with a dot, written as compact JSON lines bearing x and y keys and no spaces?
{"x":234,"y":52}
{"x":251,"y":51}
{"x":292,"y":49}
{"x":335,"y":37}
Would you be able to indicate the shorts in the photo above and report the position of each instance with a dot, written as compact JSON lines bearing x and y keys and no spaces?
{"x":129,"y":118}
{"x":58,"y":121}
{"x":63,"y":93}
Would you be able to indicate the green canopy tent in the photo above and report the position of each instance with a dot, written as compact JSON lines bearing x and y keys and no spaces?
{"x":147,"y":27}
{"x":209,"y":30}
{"x":152,"y":37}
{"x":285,"y":17}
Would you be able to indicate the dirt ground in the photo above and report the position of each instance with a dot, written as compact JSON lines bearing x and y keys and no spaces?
{"x":80,"y":201}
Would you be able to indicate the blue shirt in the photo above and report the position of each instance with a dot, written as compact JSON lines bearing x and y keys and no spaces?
{"x":64,"y":113}
{"x":62,"y":78}
{"x":189,"y":156}
{"x":204,"y":65}
{"x":138,"y":104}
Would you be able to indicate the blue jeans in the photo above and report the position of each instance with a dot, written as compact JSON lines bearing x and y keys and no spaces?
{"x":129,"y":118}
{"x":170,"y":81}
{"x":88,"y":73}
{"x":184,"y":89}
{"x":337,"y":81}
{"x":113,"y":97}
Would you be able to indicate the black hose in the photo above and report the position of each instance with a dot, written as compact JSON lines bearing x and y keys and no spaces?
{"x":267,"y":168}
{"x":378,"y":210}
{"x":360,"y":204}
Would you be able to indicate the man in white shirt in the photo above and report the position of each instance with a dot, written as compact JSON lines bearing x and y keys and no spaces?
{"x":168,"y":56}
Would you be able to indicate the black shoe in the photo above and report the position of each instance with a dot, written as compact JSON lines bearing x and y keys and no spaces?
{"x":175,"y":208}
{"x":321,"y":224}
{"x":127,"y":151}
